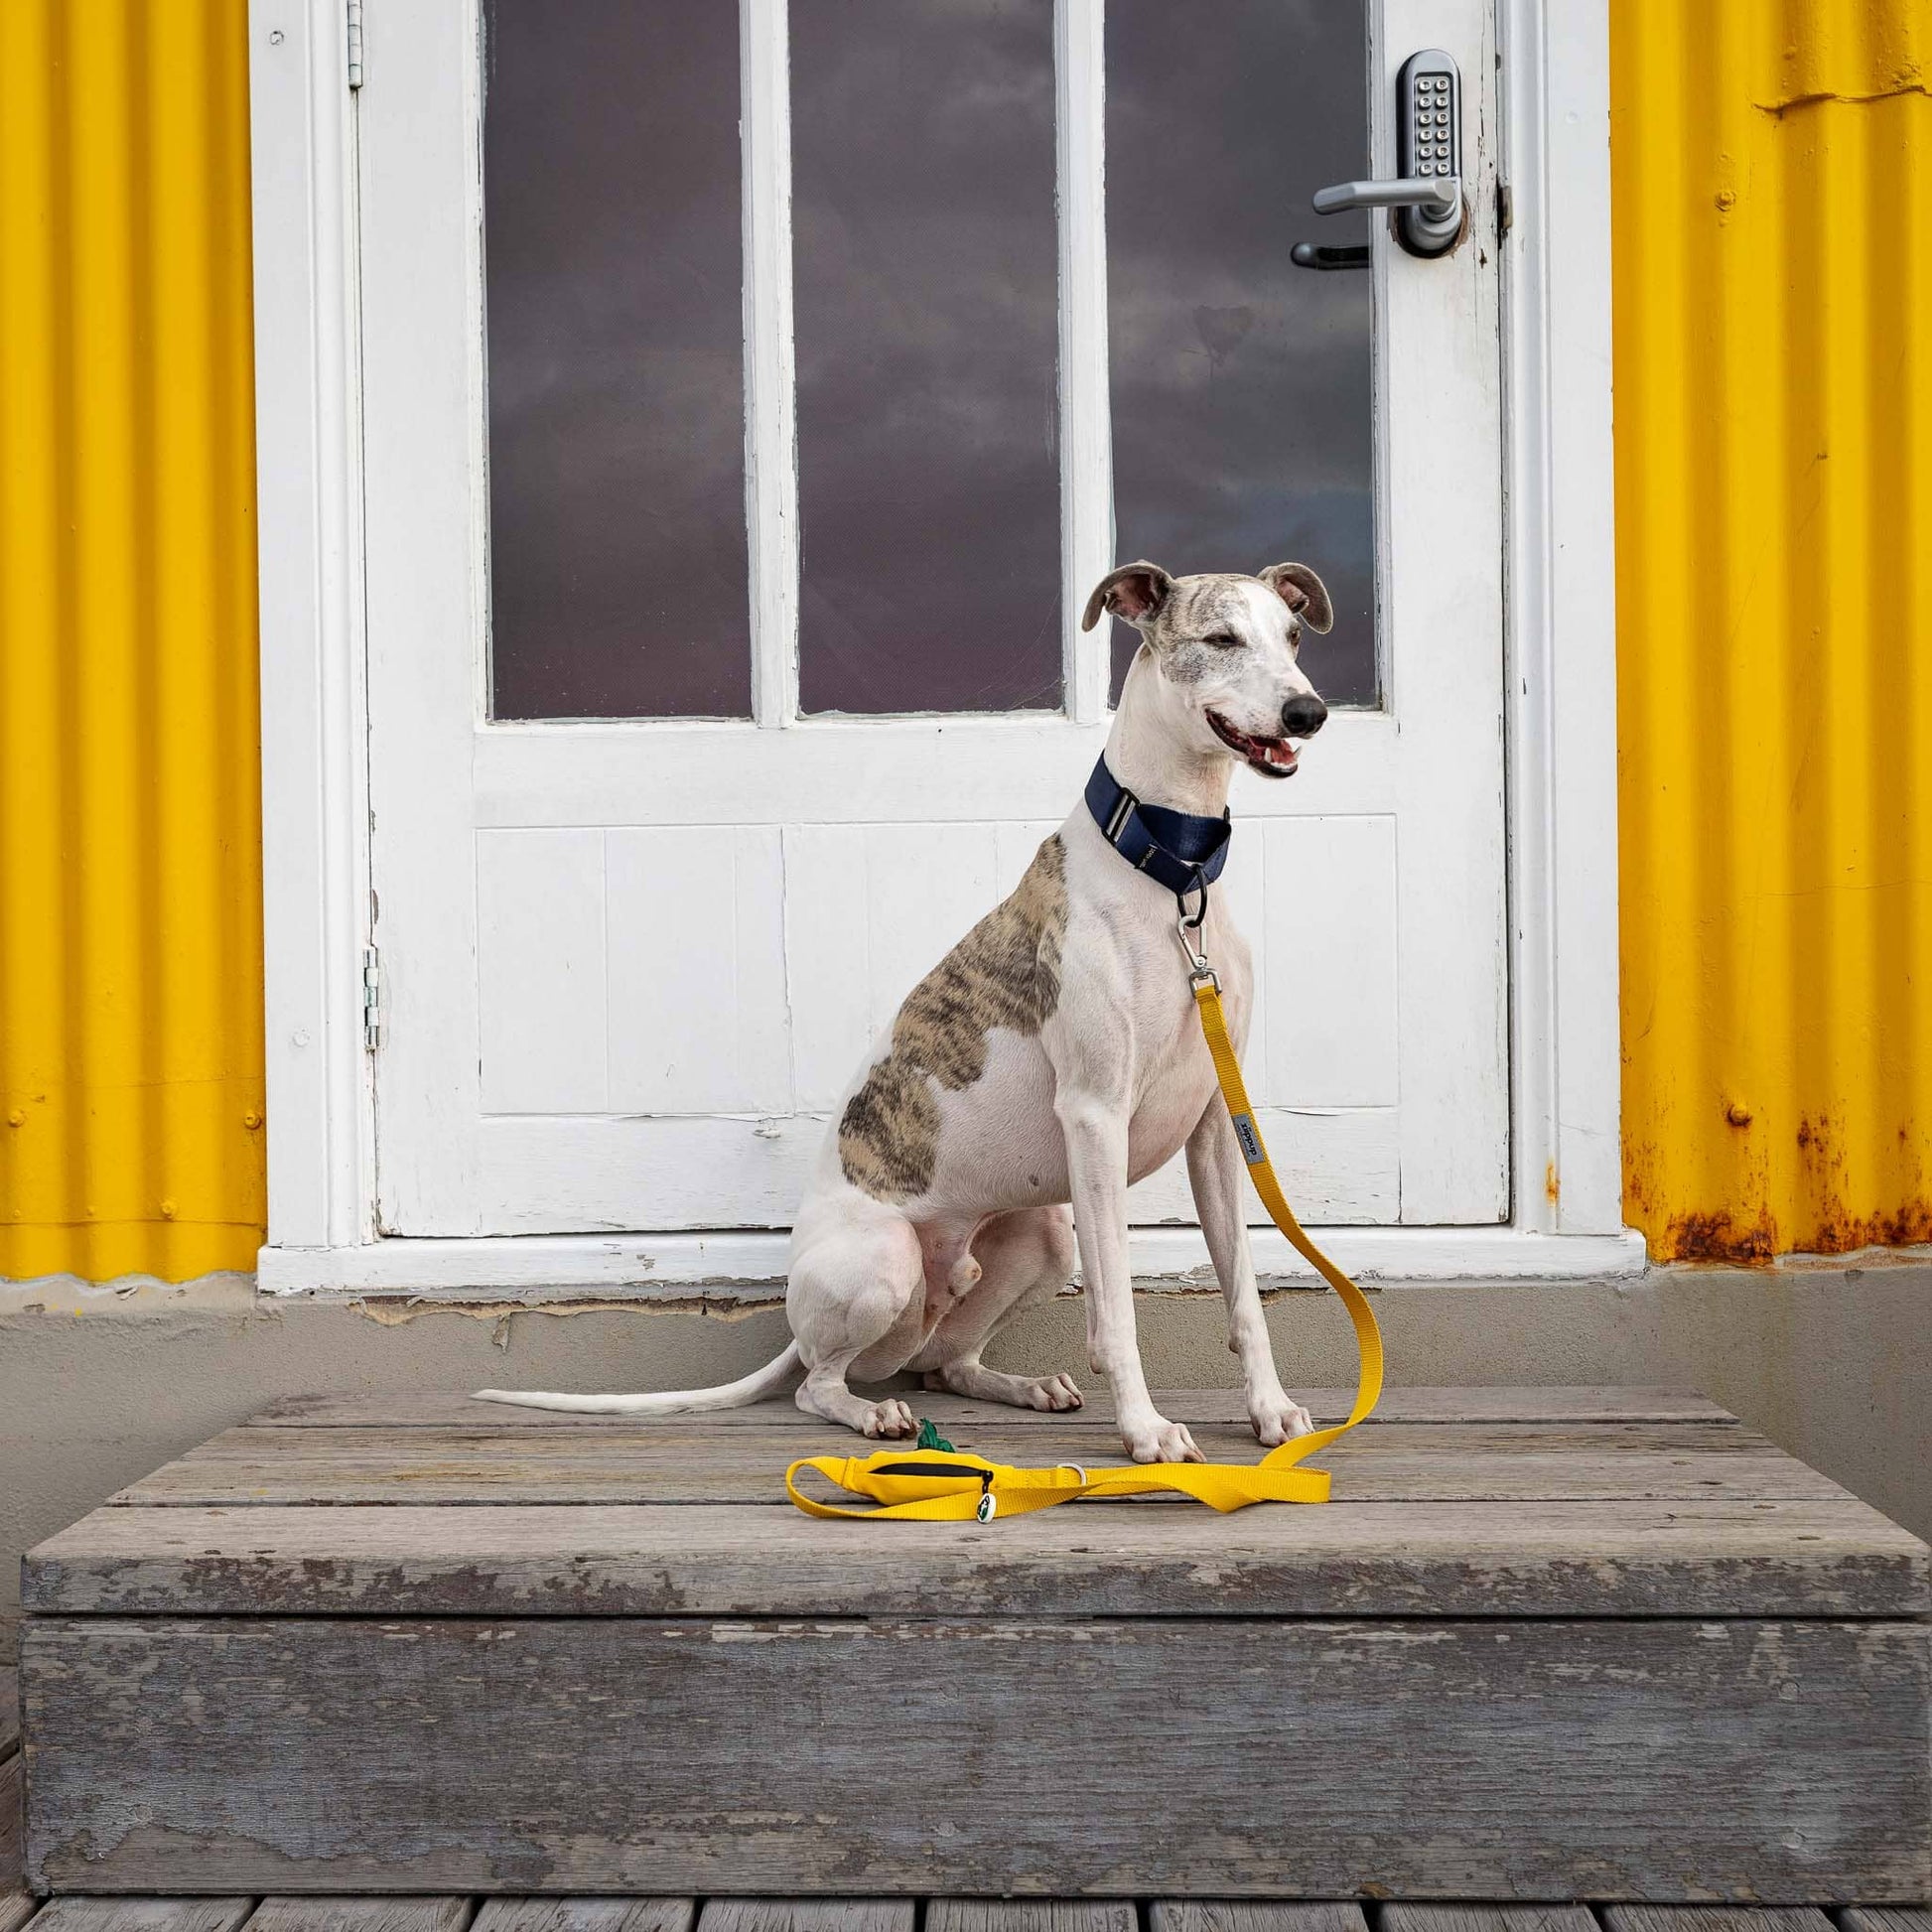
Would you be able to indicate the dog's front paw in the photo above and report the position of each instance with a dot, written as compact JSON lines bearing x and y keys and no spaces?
{"x":1277,"y":1419}
{"x":891,"y":1418}
{"x":1160,"y":1440}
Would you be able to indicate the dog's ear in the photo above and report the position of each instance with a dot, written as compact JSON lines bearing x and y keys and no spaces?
{"x":1303,"y":592}
{"x":1134,"y":592}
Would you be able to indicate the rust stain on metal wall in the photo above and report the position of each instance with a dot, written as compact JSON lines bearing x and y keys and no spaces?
{"x":130,"y":854}
{"x":1772,"y":173}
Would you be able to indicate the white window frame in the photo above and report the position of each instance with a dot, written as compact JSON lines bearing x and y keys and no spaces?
{"x":1559,"y":650}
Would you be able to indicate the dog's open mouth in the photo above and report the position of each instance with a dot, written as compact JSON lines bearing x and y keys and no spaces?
{"x":1275,"y":757}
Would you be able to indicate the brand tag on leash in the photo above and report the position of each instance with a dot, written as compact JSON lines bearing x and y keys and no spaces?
{"x":1252,"y":1150}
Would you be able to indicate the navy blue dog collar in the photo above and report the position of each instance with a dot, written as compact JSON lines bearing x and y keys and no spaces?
{"x":1181,"y":850}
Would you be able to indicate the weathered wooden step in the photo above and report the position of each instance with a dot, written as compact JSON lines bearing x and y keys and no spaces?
{"x":1402,"y":1916}
{"x":692,"y":1462}
{"x":1832,"y":1558}
{"x":1191,"y":1406}
{"x":1616,"y":1757}
{"x":585,"y":1915}
{"x":1543,"y":1646}
{"x":1245,"y":1915}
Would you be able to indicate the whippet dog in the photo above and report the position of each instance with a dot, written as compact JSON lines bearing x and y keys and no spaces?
{"x":1053,"y":1058}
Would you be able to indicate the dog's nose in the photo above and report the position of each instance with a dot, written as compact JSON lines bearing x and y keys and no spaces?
{"x":1303,"y":715}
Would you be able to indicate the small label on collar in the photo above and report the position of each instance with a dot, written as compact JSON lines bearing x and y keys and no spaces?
{"x":1251,"y":1148}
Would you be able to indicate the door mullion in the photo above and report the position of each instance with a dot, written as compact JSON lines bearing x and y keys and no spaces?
{"x":771,"y":374}
{"x":1087,"y":435}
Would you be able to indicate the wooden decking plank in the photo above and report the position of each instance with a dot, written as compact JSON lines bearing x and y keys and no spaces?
{"x":1873,"y":1918}
{"x":16,"y":1908}
{"x":1252,"y":1915}
{"x":1624,"y":1754}
{"x":361,"y":1915}
{"x":1401,"y":1916}
{"x":1191,"y":1406}
{"x":585,"y":1915}
{"x":808,"y":1916}
{"x":9,"y":1709}
{"x":1715,"y":1918}
{"x":1033,"y":1915}
{"x":1604,"y":1558}
{"x":82,"y":1912}
{"x":1540,"y":1463}
{"x":12,"y":1841}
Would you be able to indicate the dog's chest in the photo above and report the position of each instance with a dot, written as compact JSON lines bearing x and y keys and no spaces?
{"x":1139,"y":995}
{"x":1173,"y":1077}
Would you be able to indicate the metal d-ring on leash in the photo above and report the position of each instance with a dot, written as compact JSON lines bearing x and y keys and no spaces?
{"x":951,"y":1486}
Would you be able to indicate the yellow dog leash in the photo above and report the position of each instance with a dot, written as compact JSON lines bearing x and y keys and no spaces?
{"x":951,"y":1486}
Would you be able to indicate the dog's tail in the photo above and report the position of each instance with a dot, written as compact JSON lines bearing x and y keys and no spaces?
{"x":761,"y":1382}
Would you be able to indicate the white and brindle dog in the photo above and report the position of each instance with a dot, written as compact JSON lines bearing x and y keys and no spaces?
{"x":1055,"y":1057}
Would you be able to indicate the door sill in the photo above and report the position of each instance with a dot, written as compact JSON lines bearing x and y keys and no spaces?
{"x":751,"y":1266}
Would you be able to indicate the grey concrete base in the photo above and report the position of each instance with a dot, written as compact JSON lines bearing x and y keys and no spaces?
{"x":1833,"y":1364}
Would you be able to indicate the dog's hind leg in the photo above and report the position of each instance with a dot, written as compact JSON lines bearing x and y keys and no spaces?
{"x":856,"y":1301}
{"x":1023,"y":1258}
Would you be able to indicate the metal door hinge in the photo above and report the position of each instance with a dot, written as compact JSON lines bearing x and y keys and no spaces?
{"x":371,"y":998}
{"x":355,"y":43}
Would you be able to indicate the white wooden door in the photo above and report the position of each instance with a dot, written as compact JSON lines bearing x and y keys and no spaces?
{"x":750,"y":403}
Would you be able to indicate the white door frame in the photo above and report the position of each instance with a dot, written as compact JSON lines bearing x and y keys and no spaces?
{"x":1560,"y":646}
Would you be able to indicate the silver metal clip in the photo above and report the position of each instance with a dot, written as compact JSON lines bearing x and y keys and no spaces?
{"x":1199,"y":972}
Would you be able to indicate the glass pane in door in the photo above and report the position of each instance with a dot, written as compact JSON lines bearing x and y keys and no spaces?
{"x":1241,"y":382}
{"x":925,"y":262}
{"x":616,"y":393}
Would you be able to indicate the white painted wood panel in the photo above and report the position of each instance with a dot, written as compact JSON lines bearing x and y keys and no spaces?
{"x":1243,"y":891}
{"x":1339,"y":1168}
{"x":697,"y":971}
{"x":847,"y":771}
{"x":828,"y":981}
{"x":1328,"y":929}
{"x":554,"y":1174}
{"x":743,"y":970}
{"x":1443,"y":623}
{"x":870,"y":910}
{"x":1315,"y":900}
{"x":927,"y":887}
{"x":771,"y":381}
{"x":540,"y":973}
{"x":1015,"y":845}
{"x":1086,"y":404}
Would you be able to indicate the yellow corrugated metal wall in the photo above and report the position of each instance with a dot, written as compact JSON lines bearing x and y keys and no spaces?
{"x":1772,"y":169}
{"x":130,"y":849}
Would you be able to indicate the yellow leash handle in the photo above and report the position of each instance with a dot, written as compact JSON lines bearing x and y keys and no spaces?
{"x":951,"y":1486}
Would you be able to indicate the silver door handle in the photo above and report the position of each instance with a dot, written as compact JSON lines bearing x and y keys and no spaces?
{"x":1427,"y":192}
{"x":1442,"y":199}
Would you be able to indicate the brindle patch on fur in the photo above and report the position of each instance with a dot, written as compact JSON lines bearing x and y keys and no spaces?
{"x":1198,"y":607}
{"x":1006,"y":972}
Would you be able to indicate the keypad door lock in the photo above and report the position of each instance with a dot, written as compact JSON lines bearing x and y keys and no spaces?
{"x":1426,"y":192}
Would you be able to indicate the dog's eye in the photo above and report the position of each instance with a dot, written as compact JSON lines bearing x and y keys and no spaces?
{"x":1223,"y":640}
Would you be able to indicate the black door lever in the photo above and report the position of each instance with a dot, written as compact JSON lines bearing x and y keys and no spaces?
{"x":1306,"y":254}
